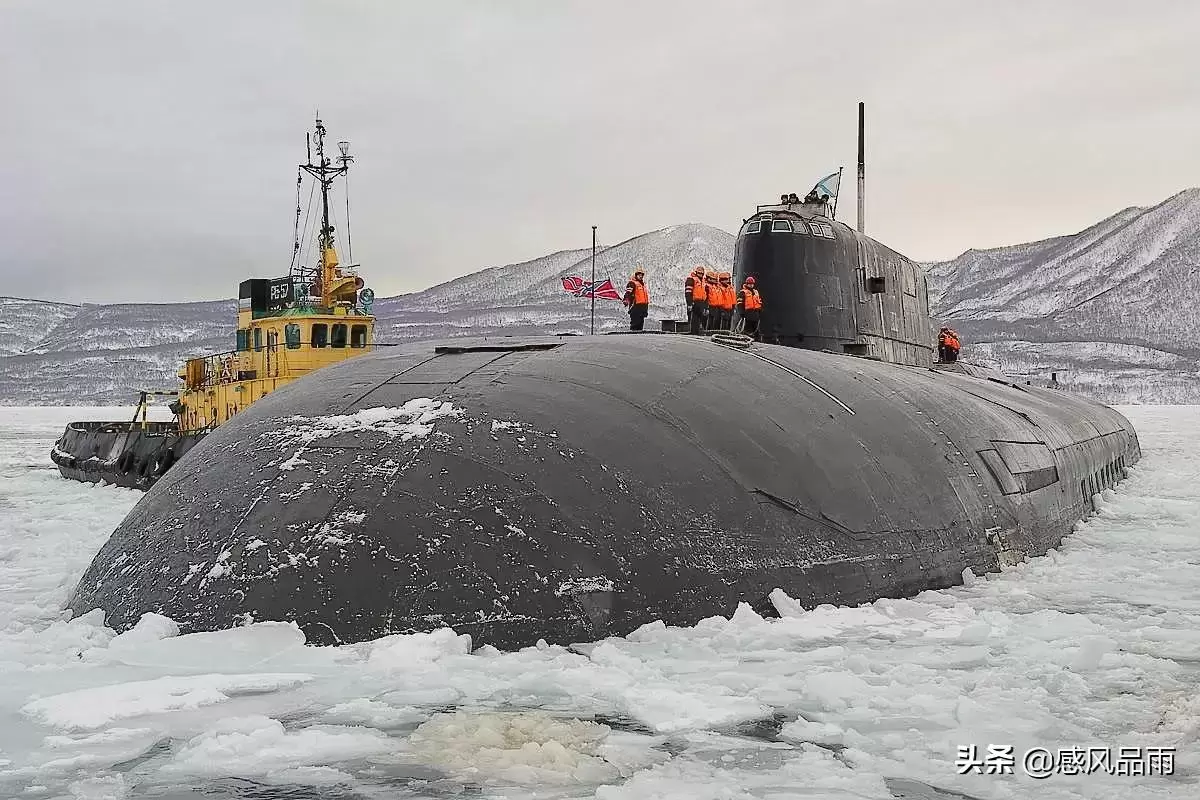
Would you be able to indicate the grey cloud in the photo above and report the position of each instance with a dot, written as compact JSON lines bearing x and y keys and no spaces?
{"x":150,"y":148}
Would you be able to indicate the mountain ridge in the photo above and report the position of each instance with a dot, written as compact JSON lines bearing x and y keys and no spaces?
{"x":1103,"y":307}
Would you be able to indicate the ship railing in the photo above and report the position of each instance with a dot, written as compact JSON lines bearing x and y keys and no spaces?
{"x":206,"y":372}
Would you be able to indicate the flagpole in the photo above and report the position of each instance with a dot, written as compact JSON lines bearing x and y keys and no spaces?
{"x":839,"y":191}
{"x":593,"y":280}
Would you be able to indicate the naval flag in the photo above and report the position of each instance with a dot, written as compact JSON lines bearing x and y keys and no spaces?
{"x":581,"y":288}
{"x":828,"y":185}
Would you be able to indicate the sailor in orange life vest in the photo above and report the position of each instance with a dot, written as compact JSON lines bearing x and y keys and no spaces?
{"x":728,"y":298}
{"x":637,"y":300}
{"x":712,"y":290}
{"x":948,"y":345}
{"x":698,"y":307}
{"x":749,"y":304}
{"x":689,"y":290}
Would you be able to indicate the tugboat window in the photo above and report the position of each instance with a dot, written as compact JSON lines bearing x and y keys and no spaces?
{"x":781,"y":225}
{"x":358,"y":336}
{"x":258,"y":338}
{"x":339,"y":336}
{"x":754,"y":227}
{"x":243,"y":339}
{"x":291,"y":333}
{"x":799,"y":227}
{"x":320,"y":336}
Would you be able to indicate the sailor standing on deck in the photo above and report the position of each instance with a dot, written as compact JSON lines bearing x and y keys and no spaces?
{"x":689,"y":289}
{"x":749,"y":304}
{"x":728,"y":298}
{"x":637,"y":299}
{"x":698,"y":309}
{"x":712,"y":290}
{"x":948,"y":345}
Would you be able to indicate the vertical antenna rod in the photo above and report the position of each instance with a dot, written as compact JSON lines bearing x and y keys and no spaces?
{"x":593,"y":280}
{"x":326,"y":239}
{"x":862,"y":172}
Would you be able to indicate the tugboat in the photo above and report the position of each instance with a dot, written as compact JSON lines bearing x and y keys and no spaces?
{"x":287,"y":327}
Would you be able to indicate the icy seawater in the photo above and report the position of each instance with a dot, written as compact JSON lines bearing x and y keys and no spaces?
{"x":1091,"y":649}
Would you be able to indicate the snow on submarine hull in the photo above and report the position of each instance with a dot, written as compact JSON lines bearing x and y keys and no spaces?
{"x":574,"y":488}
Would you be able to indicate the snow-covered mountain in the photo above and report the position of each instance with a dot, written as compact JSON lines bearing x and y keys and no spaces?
{"x":54,"y":353}
{"x":1107,"y":308}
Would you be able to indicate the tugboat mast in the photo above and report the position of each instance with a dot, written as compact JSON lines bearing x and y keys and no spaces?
{"x":324,"y":172}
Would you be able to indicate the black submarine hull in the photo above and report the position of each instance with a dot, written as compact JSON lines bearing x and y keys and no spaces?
{"x":130,"y":454}
{"x":584,"y":486}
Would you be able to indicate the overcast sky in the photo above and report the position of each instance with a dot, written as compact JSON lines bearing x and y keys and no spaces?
{"x":150,"y":148}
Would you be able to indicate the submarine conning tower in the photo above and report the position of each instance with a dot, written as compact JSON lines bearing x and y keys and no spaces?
{"x":827,"y":287}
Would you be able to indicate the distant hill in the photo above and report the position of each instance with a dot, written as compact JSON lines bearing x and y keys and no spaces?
{"x":94,"y":354}
{"x":1109,"y":307}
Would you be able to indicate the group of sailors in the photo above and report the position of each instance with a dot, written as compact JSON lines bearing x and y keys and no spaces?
{"x":710,"y":299}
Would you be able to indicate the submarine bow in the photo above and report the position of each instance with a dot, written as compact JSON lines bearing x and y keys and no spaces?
{"x":575,"y":488}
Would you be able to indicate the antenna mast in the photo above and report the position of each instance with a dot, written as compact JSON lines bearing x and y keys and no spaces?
{"x":323,"y":279}
{"x":862,"y":172}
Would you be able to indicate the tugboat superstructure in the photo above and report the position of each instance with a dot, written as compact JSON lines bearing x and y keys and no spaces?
{"x":317,"y":315}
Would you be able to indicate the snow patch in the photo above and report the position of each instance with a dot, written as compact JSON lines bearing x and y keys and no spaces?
{"x":573,"y":586}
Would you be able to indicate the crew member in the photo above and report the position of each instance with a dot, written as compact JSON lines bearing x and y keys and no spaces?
{"x":689,"y":289}
{"x":637,"y":300}
{"x":749,"y":304}
{"x":712,"y":291}
{"x":728,"y":298}
{"x":948,"y":345}
{"x":698,"y":309}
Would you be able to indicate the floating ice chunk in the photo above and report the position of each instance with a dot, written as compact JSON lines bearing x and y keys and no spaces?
{"x":648,"y":632}
{"x":803,"y":730}
{"x":374,"y":714}
{"x":744,"y":617}
{"x":100,"y":787}
{"x":834,"y":691}
{"x":408,"y":650}
{"x":256,"y":746}
{"x":98,"y":706}
{"x":150,"y":627}
{"x":1091,"y":650}
{"x":784,"y":605}
{"x":246,"y":647}
{"x":92,"y":751}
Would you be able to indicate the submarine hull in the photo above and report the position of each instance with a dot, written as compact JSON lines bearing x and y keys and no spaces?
{"x":571,"y":489}
{"x":130,"y":454}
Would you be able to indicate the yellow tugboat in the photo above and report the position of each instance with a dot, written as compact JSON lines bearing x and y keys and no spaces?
{"x":286,"y":327}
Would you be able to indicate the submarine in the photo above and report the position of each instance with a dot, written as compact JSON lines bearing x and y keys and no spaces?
{"x":570,"y":488}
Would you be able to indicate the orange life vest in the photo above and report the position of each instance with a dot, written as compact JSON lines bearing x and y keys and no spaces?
{"x":640,"y":296}
{"x":699,"y":291}
{"x":751,"y":299}
{"x":725,"y":296}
